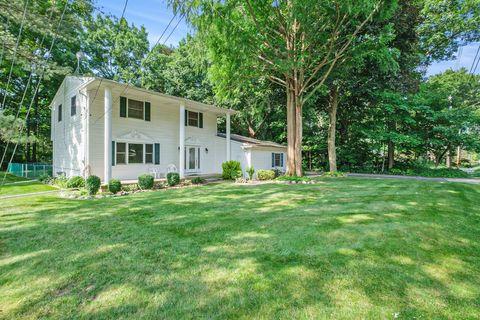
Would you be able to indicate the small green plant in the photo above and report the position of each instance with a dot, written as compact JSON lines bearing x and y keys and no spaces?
{"x":145,"y":181}
{"x":92,"y":184}
{"x":241,"y":180}
{"x":198,"y":180}
{"x":395,"y":171}
{"x":278,"y":172}
{"x":265,"y":175}
{"x":130,"y":187}
{"x":294,"y":178}
{"x":337,"y":174}
{"x":173,"y":178}
{"x":75,"y":182}
{"x":45,"y":178}
{"x":114,"y":185}
{"x":250,"y":171}
{"x":60,"y":181}
{"x":231,"y":170}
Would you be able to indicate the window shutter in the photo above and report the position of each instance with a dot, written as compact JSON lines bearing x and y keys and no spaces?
{"x":281,"y":159}
{"x":123,"y":107}
{"x":186,"y":117}
{"x":273,"y":160}
{"x":73,"y":106}
{"x":59,"y":113}
{"x":157,"y":153}
{"x":147,"y":111}
{"x":200,"y":120}
{"x":113,"y":153}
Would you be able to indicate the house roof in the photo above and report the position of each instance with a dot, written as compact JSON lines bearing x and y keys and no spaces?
{"x":97,"y":81}
{"x":251,"y":142}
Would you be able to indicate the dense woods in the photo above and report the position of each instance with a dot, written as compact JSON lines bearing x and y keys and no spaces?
{"x":342,"y":83}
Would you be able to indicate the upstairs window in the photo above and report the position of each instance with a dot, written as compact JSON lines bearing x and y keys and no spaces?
{"x":59,"y":113}
{"x":135,"y":109}
{"x":135,"y":153}
{"x":193,"y":119}
{"x":73,"y":106}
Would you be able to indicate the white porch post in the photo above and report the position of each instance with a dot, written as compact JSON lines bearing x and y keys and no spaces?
{"x":108,"y":136}
{"x":181,"y":169}
{"x":227,"y":135}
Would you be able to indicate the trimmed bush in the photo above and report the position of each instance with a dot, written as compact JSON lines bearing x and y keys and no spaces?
{"x":76,"y":182}
{"x":231,"y":170}
{"x":265,"y":174}
{"x":173,"y":178}
{"x":250,"y":172}
{"x":45,"y":178}
{"x":198,"y":180}
{"x":60,"y":181}
{"x":92,"y":184}
{"x":145,"y":181}
{"x":114,"y":185}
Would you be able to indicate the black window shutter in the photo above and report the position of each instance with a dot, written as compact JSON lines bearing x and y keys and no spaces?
{"x":113,"y":153}
{"x":157,"y":153}
{"x":147,"y":111}
{"x":59,"y":113}
{"x":200,"y":120}
{"x":281,"y":159}
{"x":273,"y":160}
{"x":186,"y":117}
{"x":123,"y":107}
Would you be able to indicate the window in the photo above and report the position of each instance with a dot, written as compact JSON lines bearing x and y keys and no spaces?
{"x":135,"y":153}
{"x":73,"y":106}
{"x":149,"y":153}
{"x":121,"y":153}
{"x":193,"y":119}
{"x":135,"y":109}
{"x":277,"y":160}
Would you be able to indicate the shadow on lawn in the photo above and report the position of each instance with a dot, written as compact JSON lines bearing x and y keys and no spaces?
{"x":229,"y":251}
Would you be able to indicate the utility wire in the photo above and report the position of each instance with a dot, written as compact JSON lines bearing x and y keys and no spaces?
{"x":14,"y":54}
{"x":475,"y":60}
{"x":38,"y":83}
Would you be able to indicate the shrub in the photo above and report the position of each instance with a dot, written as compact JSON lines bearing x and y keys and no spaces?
{"x":60,"y":181}
{"x":75,"y":182}
{"x":92,"y":184}
{"x":278,"y":172}
{"x":395,"y":171}
{"x":231,"y":170}
{"x":265,"y":175}
{"x":44,"y":178}
{"x":173,"y":178}
{"x":250,"y":172}
{"x":198,"y":180}
{"x":114,"y":185}
{"x":145,"y":181}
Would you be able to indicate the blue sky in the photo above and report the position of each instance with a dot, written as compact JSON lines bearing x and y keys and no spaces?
{"x":155,"y":15}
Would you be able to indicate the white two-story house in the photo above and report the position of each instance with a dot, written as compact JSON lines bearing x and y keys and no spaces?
{"x":113,"y":130}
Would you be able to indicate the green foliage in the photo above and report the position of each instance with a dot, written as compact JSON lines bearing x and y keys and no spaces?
{"x":250,"y":171}
{"x":75,"y":182}
{"x":294,"y":178}
{"x":173,"y":178}
{"x":231,"y":170}
{"x":45,"y":178}
{"x":92,"y":185}
{"x":145,"y":181}
{"x":60,"y":181}
{"x":335,"y":174}
{"x":265,"y":174}
{"x":114,"y":185}
{"x":198,"y":180}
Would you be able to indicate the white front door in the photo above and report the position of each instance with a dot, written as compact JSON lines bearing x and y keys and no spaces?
{"x":192,"y":159}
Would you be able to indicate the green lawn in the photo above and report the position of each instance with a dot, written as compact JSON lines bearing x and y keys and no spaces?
{"x":343,"y":249}
{"x":21,"y":188}
{"x":9,"y":178}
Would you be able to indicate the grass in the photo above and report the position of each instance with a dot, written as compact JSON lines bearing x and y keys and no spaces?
{"x":23,"y":188}
{"x":343,"y":249}
{"x":9,"y":178}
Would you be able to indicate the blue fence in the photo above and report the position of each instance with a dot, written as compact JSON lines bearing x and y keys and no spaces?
{"x":29,"y":170}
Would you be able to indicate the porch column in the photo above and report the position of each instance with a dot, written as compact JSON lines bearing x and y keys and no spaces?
{"x":181,"y":135}
{"x":227,"y":136}
{"x":107,"y":175}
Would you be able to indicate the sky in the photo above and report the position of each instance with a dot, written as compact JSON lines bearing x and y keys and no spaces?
{"x":155,"y":16}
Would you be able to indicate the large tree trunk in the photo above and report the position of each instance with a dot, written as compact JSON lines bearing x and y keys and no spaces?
{"x":459,"y":156}
{"x":332,"y":121}
{"x":294,"y":130}
{"x":449,"y":159}
{"x":391,"y":154}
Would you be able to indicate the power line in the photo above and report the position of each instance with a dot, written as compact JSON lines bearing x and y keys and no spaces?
{"x":14,"y":54}
{"x":39,"y":82}
{"x":474,"y":59}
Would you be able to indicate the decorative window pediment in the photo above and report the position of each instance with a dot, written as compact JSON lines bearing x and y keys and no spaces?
{"x":134,"y":136}
{"x":192,"y":141}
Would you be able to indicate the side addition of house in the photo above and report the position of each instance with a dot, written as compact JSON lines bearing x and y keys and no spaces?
{"x":105,"y":128}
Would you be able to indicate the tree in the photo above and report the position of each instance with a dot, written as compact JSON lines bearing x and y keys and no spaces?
{"x":295,"y":44}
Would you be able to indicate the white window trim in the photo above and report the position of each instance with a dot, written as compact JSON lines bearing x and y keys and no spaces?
{"x":143,"y":113}
{"x":280,"y":159}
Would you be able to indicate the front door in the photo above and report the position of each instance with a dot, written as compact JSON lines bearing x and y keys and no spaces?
{"x":192,"y":159}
